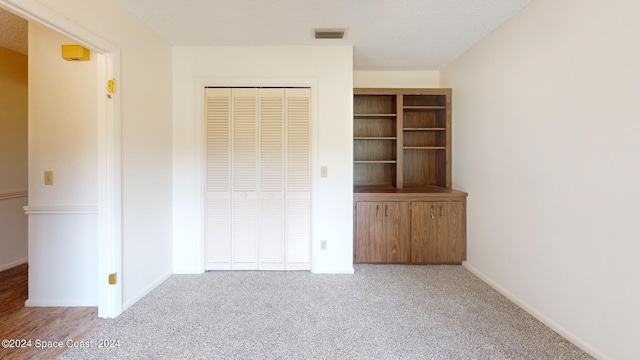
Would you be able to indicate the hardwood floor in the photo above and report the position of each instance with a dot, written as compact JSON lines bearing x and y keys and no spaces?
{"x":39,"y":325}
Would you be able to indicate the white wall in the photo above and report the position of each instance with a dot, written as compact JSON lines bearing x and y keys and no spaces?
{"x":144,"y":88}
{"x":329,"y":69}
{"x":13,"y":158}
{"x":63,"y":248}
{"x":396,"y":79}
{"x":546,"y":142}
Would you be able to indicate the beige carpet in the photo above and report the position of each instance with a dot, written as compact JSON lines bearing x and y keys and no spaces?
{"x":380,"y":312}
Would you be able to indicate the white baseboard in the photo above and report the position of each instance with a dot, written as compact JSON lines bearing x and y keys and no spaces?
{"x":147,"y":289}
{"x":345,"y":270}
{"x":12,"y":264}
{"x":189,"y":271}
{"x":60,"y":303}
{"x":586,"y":347}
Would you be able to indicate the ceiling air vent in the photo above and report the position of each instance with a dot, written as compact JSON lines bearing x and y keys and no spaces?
{"x":329,"y":33}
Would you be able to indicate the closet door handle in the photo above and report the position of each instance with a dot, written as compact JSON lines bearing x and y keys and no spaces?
{"x":433,"y":212}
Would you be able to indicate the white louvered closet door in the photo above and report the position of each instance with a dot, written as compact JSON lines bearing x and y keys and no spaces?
{"x":272,"y":147}
{"x":298,"y":178}
{"x":218,"y":179}
{"x":257,"y":179}
{"x":244,"y":165}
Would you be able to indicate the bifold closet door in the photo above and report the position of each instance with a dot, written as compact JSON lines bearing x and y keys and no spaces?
{"x":271,"y":179}
{"x":217,"y":169}
{"x":257,"y":171}
{"x":298,"y":179}
{"x":244,"y":175}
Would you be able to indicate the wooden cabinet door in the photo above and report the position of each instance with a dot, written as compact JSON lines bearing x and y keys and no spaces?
{"x":452,"y":221}
{"x":425,"y":232}
{"x":438,"y":232}
{"x":396,"y":248}
{"x":369,"y":231}
{"x":382,"y":232}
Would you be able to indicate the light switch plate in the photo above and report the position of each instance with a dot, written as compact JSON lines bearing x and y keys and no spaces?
{"x":323,"y":171}
{"x":48,"y":177}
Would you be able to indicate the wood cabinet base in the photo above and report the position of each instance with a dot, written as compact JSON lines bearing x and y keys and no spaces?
{"x":409,"y":226}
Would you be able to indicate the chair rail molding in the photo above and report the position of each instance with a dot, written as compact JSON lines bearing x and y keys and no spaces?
{"x":47,"y":209}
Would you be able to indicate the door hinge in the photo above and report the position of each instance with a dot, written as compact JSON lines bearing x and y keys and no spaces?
{"x":111,"y":86}
{"x":113,"y":279}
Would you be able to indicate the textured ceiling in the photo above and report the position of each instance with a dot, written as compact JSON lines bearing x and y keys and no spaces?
{"x":13,"y":32}
{"x":385,"y":34}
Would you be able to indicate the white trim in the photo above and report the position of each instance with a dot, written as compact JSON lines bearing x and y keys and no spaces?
{"x":201,"y":84}
{"x":109,"y":152}
{"x":13,"y":264}
{"x":340,"y":270}
{"x":13,"y":194}
{"x":109,"y":191}
{"x":189,"y":271}
{"x":147,"y":289}
{"x":60,"y":209}
{"x":36,"y":12}
{"x":586,"y":347}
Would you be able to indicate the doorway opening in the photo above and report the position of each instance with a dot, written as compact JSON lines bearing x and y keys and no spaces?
{"x":108,"y":150}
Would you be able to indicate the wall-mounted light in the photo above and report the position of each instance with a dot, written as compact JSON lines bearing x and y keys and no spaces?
{"x":75,"y":53}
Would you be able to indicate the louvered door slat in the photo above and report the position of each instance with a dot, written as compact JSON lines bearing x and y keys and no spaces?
{"x":245,"y":149}
{"x":298,"y":140}
{"x":298,"y":178}
{"x":218,"y":234}
{"x":217,"y":138}
{"x":245,"y":233}
{"x":217,"y":179}
{"x":271,"y":140}
{"x":298,"y":233}
{"x":271,"y":252}
{"x":271,"y":179}
{"x":244,"y":162}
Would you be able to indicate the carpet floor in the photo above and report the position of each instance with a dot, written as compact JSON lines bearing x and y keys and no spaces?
{"x":380,"y":312}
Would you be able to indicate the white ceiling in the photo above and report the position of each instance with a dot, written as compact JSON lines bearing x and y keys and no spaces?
{"x":13,"y":32}
{"x":385,"y":34}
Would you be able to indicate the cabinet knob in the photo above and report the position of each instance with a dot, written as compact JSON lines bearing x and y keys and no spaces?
{"x":433,"y":212}
{"x":377,"y":210}
{"x":441,"y":210}
{"x":386,"y":210}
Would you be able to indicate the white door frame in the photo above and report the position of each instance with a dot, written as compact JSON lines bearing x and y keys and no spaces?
{"x":109,"y":149}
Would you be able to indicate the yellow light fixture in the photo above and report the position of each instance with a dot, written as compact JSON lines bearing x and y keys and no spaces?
{"x":75,"y":53}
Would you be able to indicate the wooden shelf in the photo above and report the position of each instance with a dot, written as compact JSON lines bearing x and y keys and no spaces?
{"x":373,"y":115}
{"x":424,"y":129}
{"x":374,"y":162}
{"x":374,"y":138}
{"x":424,"y":147}
{"x":430,"y":107}
{"x":389,"y":121}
